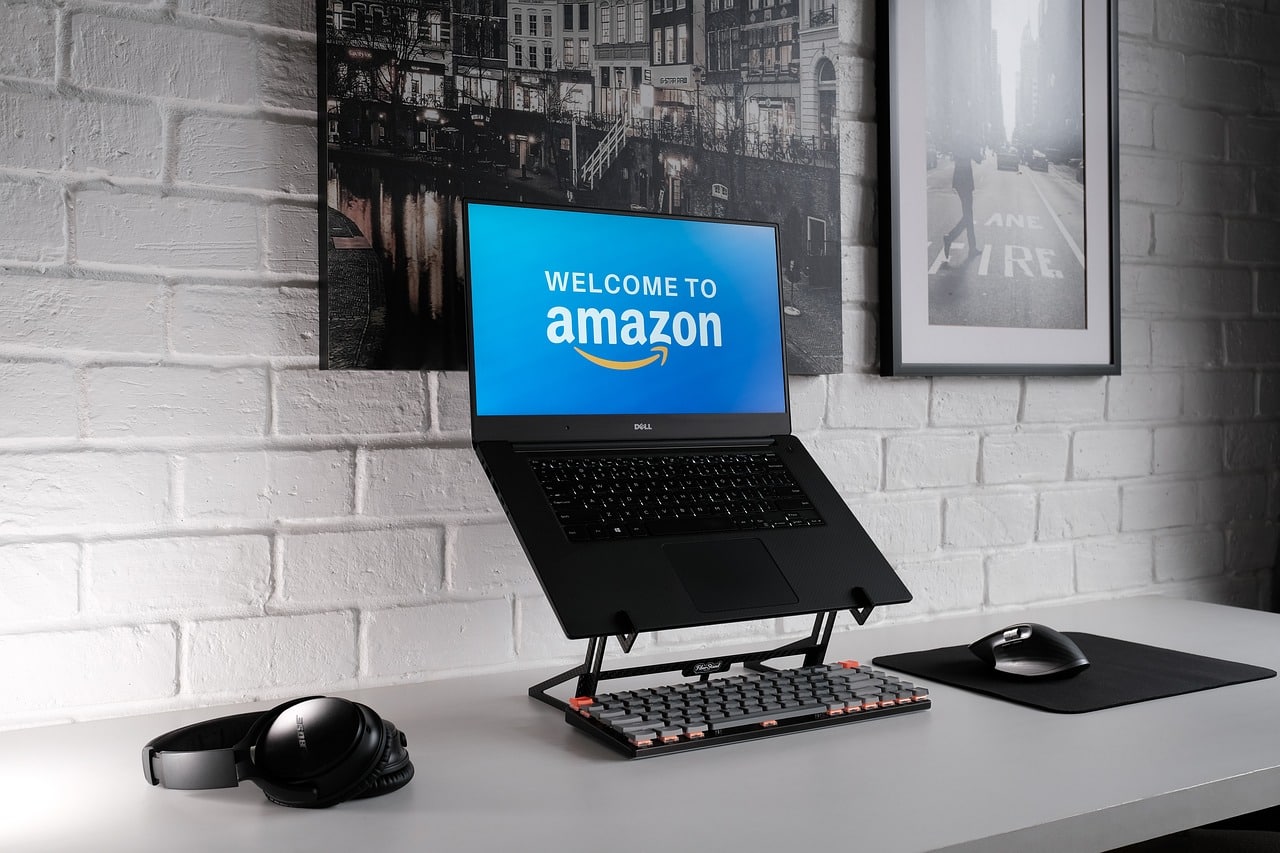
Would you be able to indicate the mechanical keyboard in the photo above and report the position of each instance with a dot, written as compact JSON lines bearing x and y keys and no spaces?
{"x":695,"y":714}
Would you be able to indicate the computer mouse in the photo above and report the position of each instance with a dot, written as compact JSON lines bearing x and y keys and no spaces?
{"x":1031,"y":651}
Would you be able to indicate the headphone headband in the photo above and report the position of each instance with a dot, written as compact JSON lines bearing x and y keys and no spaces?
{"x":211,"y":754}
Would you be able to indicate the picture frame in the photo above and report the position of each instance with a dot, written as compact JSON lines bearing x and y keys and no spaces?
{"x":999,"y":251}
{"x":714,"y":110}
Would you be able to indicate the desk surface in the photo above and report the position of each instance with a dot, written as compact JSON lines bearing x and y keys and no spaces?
{"x":498,"y":771}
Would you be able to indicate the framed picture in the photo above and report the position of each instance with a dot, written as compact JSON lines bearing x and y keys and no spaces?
{"x":721,"y":110}
{"x":998,"y":191}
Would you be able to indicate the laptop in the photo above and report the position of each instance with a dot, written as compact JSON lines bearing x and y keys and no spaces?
{"x":628,"y":340}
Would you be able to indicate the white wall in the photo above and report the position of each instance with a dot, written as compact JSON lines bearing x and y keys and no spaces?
{"x":191,"y":513}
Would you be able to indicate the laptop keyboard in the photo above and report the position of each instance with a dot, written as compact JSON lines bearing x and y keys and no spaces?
{"x":600,"y":496}
{"x":695,"y":714}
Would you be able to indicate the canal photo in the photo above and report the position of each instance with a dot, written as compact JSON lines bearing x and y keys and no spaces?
{"x":701,"y":108}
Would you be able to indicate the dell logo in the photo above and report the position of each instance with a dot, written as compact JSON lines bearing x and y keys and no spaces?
{"x":644,"y":426}
{"x":302,"y":733}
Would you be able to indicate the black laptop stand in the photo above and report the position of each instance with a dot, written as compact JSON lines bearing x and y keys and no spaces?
{"x":590,"y":672}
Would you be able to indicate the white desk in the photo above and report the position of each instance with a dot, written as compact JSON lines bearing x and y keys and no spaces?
{"x":499,"y":771}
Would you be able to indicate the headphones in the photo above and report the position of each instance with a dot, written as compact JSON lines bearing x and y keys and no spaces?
{"x":311,"y":753}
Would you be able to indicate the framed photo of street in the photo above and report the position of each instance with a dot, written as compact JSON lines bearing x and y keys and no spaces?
{"x":999,"y":249}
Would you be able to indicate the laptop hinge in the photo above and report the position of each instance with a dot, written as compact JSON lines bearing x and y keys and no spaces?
{"x":681,"y":444}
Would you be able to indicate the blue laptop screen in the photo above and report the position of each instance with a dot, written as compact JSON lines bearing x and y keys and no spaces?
{"x":583,"y":312}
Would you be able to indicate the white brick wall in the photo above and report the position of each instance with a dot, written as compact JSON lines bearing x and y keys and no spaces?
{"x":158,"y":400}
{"x":40,"y":400}
{"x":191,"y":512}
{"x":41,"y":583}
{"x":268,"y":484}
{"x":243,"y":657}
{"x":225,"y":574}
{"x":314,"y":402}
{"x":930,"y":460}
{"x":55,"y":317}
{"x":1078,"y":512}
{"x":392,"y":565}
{"x":32,"y":213}
{"x":136,"y":229}
{"x":30,"y":44}
{"x":119,"y":52}
{"x":49,"y":675}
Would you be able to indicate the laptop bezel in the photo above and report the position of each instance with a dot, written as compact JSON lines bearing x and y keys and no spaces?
{"x":621,"y":427}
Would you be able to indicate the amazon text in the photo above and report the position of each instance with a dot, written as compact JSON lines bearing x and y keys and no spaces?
{"x":632,"y":327}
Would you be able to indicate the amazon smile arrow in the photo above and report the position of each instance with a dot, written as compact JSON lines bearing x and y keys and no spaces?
{"x":660,"y":352}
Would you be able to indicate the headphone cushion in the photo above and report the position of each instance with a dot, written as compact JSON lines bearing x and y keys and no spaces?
{"x":393,"y":770}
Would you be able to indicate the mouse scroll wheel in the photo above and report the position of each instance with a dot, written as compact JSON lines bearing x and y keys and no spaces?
{"x":1018,"y":633}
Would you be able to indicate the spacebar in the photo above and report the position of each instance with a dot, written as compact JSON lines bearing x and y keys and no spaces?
{"x":672,"y":526}
{"x":721,"y":723}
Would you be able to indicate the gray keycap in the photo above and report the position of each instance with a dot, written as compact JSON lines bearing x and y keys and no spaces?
{"x":607,"y":713}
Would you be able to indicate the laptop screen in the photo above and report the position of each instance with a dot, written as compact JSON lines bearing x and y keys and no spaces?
{"x":577,"y":312}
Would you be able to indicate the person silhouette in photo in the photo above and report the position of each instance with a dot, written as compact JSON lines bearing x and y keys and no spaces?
{"x":965,"y":155}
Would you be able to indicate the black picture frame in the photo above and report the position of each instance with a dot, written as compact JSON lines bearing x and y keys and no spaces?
{"x":1028,"y":280}
{"x":422,"y":103}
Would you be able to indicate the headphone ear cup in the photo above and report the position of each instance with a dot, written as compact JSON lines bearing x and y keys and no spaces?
{"x":393,"y":770}
{"x":321,"y":751}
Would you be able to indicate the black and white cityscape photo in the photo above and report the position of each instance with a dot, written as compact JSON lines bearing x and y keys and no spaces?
{"x":714,"y":108}
{"x":1005,"y":161}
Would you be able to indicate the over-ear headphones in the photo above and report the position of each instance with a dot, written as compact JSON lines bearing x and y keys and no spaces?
{"x":313,"y":752}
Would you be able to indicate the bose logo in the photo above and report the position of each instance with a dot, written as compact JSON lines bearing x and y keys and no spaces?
{"x":302,"y":732}
{"x":644,"y":426}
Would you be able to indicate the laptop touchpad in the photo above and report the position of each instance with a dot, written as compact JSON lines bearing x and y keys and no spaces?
{"x":733,"y":574}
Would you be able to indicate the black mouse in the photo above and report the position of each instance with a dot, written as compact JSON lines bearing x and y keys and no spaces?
{"x":1032,"y":651}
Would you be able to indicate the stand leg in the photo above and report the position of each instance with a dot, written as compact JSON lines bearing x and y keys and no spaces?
{"x":813,"y":647}
{"x":591,"y":671}
{"x":825,"y":624}
{"x":587,"y":673}
{"x":588,"y":680}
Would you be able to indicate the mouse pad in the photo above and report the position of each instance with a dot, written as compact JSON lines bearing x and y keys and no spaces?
{"x":1119,"y":673}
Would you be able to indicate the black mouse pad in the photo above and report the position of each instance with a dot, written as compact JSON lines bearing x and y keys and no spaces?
{"x":1119,"y":673}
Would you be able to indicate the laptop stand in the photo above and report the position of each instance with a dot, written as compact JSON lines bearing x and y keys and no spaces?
{"x":590,"y":672}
